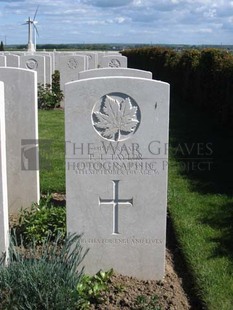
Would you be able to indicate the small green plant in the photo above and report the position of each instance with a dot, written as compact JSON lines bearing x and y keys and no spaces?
{"x":41,"y":221}
{"x":56,"y":86}
{"x":50,"y":97}
{"x":119,"y":288}
{"x":46,"y":98}
{"x":147,"y":303}
{"x":91,"y":288}
{"x":42,"y":277}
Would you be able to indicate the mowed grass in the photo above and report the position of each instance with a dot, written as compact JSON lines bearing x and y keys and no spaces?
{"x":52,"y":151}
{"x":200,"y":200}
{"x":203,"y":225}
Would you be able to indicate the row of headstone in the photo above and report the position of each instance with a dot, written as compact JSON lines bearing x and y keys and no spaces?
{"x":94,"y":59}
{"x":116,"y":133}
{"x":116,"y":126}
{"x":38,"y":63}
{"x":69,"y":64}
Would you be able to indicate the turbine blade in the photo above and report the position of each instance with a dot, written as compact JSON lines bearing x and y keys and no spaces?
{"x":36,"y":30}
{"x":36,"y":13}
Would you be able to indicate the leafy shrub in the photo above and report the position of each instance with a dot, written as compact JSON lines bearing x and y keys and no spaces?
{"x":42,"y":278}
{"x":202,"y":77}
{"x":50,"y":97}
{"x":46,"y":98}
{"x":56,"y":86}
{"x":41,"y":221}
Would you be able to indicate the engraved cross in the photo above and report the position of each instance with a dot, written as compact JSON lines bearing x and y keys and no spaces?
{"x":115,"y":201}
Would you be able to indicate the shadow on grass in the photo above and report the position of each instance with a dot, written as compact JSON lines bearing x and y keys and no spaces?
{"x":182,"y":268}
{"x":221,"y":219}
{"x":203,"y":149}
{"x":204,"y":152}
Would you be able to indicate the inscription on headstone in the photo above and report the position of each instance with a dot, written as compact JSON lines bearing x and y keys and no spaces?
{"x":31,"y":64}
{"x":115,"y":202}
{"x":113,"y":61}
{"x":35,"y":63}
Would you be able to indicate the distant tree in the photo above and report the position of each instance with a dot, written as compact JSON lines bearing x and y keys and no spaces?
{"x":1,"y":46}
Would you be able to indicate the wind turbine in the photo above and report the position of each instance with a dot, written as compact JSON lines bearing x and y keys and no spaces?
{"x":32,"y":26}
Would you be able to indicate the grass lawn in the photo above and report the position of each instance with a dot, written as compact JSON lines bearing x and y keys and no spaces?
{"x":200,"y":200}
{"x":52,"y":151}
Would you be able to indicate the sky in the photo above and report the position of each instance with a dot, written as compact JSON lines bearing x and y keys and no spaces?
{"x":194,"y":22}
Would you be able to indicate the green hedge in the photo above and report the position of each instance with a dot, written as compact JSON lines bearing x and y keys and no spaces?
{"x":199,"y":77}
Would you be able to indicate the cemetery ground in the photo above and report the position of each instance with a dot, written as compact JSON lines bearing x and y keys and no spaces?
{"x":200,"y":214}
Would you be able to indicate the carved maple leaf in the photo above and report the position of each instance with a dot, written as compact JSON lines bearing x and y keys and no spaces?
{"x":117,"y":118}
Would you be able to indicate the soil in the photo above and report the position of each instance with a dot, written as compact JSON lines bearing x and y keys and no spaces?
{"x":174,"y":292}
{"x":131,"y":293}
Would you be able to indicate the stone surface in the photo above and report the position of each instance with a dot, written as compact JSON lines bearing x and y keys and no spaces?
{"x":35,"y":63}
{"x":4,"y":225}
{"x":2,"y":61}
{"x":21,"y":136}
{"x":57,"y":56}
{"x":101,"y":72}
{"x":113,"y":61}
{"x":116,"y":172}
{"x":92,"y":60}
{"x":70,"y":66}
{"x":48,"y":67}
{"x":12,"y":60}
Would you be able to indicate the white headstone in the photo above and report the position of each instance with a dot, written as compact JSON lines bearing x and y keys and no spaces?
{"x":116,"y":172}
{"x":113,"y":61}
{"x":21,"y":136}
{"x":57,"y":56}
{"x":4,"y":225}
{"x":70,"y":66}
{"x":35,"y":63}
{"x":48,"y":69}
{"x":92,"y":60}
{"x":12,"y":60}
{"x":101,"y":72}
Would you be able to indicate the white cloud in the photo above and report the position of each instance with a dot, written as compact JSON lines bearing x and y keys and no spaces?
{"x":211,"y":13}
{"x":143,"y":21}
{"x":107,"y":3}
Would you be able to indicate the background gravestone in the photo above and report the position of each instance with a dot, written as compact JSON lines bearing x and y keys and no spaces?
{"x":48,"y":67}
{"x":92,"y":60}
{"x":70,"y":66}
{"x":35,"y":63}
{"x":57,"y":56}
{"x":4,"y":225}
{"x":113,"y":61}
{"x":116,"y":172}
{"x":21,"y":137}
{"x":12,"y":60}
